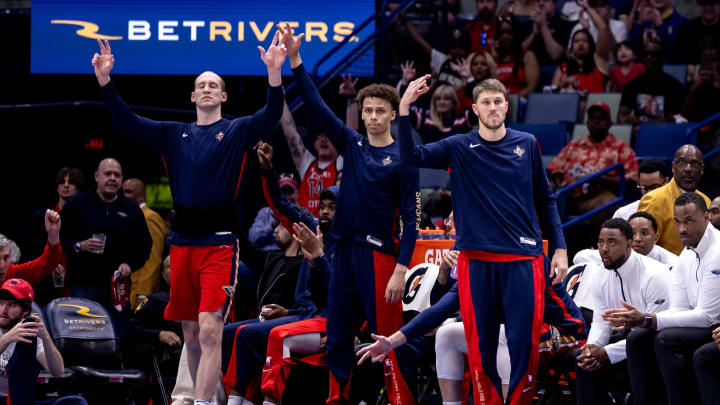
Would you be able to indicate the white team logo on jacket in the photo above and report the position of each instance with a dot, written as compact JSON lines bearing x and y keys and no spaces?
{"x":387,"y":161}
{"x":219,"y":136}
{"x":519,"y":151}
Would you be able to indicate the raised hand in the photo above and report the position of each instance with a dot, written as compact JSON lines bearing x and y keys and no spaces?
{"x":347,"y":87}
{"x":274,"y":57}
{"x":415,"y":89}
{"x":52,"y":226}
{"x":311,"y":243}
{"x":408,"y":71}
{"x":462,"y":67}
{"x":265,"y":154}
{"x":103,"y":63}
{"x":292,"y":43}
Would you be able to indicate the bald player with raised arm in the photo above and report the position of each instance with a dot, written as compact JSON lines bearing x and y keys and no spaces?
{"x":205,"y":161}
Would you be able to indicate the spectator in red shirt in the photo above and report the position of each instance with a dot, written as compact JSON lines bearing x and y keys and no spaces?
{"x":587,"y":62}
{"x":626,"y":69}
{"x":36,"y":270}
{"x":517,"y":68}
{"x":585,"y":69}
{"x":598,"y":150}
{"x":482,"y":28}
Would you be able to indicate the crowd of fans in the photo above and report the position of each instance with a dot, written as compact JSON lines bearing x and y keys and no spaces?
{"x":91,"y":238}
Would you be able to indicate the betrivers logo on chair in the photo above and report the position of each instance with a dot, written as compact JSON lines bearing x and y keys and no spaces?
{"x":80,"y":319}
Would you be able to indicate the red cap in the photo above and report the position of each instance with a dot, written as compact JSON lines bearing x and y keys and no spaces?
{"x":600,"y":105}
{"x":19,"y":289}
{"x":287,"y":180}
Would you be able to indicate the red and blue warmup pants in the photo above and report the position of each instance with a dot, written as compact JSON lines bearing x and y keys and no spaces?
{"x":495,"y":288}
{"x":244,"y":345}
{"x":277,"y":367}
{"x":357,"y":294}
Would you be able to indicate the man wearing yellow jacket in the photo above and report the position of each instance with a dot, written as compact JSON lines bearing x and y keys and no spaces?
{"x":146,"y":280}
{"x":687,"y":168}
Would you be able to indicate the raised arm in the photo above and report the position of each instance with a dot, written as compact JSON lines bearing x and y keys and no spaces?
{"x":145,"y":130}
{"x":414,"y":34}
{"x":554,"y":49}
{"x":338,"y":133}
{"x":348,"y":89}
{"x":605,"y":39}
{"x":298,"y":151}
{"x":436,"y":154}
{"x":36,"y":270}
{"x":266,"y":119}
{"x":283,"y":209}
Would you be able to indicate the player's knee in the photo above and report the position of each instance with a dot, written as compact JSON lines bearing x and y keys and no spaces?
{"x":190,"y":334}
{"x":274,"y":335}
{"x":209,"y":336}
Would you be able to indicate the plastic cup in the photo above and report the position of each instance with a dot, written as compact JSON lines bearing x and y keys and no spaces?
{"x":101,"y":237}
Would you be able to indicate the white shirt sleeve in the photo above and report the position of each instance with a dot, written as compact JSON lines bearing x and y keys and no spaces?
{"x":40,"y":348}
{"x":657,"y":292}
{"x":707,"y":310}
{"x":619,"y":30}
{"x":305,"y":162}
{"x":615,"y":351}
{"x":437,"y":59}
{"x":600,"y":330}
{"x":678,"y":290}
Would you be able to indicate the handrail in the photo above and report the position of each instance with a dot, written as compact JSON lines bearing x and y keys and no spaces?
{"x":355,"y":53}
{"x":385,"y":20}
{"x":619,"y":199}
{"x":711,"y":153}
{"x":702,"y":123}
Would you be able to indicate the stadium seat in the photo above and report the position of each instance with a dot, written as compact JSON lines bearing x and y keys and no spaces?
{"x":661,"y":140}
{"x":552,"y":108}
{"x":552,"y":137}
{"x":84,"y":334}
{"x":611,"y":99}
{"x":621,"y":132}
{"x":679,"y":72}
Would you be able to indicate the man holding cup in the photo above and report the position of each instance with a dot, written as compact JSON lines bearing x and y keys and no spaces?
{"x":103,"y":233}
